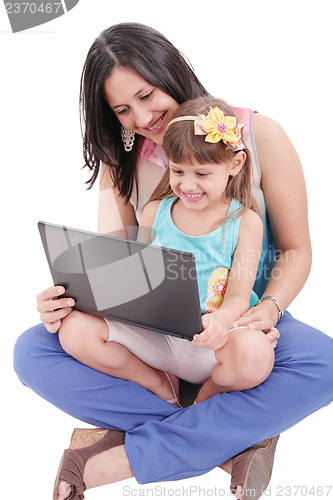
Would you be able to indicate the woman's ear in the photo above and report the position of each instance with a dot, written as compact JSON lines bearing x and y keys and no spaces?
{"x":238,"y":162}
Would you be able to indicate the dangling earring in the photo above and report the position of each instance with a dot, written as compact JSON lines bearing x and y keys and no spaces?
{"x":127,"y":136}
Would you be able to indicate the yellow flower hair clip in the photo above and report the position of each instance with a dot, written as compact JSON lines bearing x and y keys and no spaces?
{"x":216,"y":126}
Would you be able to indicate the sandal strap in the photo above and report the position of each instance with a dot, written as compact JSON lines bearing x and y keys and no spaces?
{"x":74,"y":459}
{"x":72,"y":472}
{"x":240,"y":464}
{"x":252,"y":469}
{"x":175,"y":399}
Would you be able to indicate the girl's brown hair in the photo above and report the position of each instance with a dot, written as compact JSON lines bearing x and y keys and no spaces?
{"x":183,"y":146}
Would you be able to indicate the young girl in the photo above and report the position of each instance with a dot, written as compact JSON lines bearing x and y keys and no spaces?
{"x":204,"y":206}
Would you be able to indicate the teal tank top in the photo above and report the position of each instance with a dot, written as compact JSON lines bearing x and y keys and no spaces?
{"x":213,"y":252}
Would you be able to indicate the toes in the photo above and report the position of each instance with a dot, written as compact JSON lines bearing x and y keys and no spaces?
{"x":239,"y":493}
{"x":64,"y":490}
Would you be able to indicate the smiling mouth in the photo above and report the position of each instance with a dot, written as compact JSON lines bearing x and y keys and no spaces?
{"x":158,"y":123}
{"x":193,"y":196}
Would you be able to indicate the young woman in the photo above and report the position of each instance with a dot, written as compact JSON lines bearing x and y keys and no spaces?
{"x":134,"y":78}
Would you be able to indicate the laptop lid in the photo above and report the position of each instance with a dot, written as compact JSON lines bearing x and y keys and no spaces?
{"x":130,"y":281}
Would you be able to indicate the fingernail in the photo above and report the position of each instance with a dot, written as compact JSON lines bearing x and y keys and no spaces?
{"x":235,"y":325}
{"x":252,"y":325}
{"x":69,"y":309}
{"x":60,"y":290}
{"x":70,"y":302}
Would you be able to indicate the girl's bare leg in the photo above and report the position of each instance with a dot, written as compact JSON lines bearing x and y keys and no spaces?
{"x":244,"y":362}
{"x":85,"y":337}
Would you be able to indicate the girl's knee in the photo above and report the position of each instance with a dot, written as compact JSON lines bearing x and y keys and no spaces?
{"x":251,"y":354}
{"x":68,"y":331}
{"x":77,"y":329}
{"x":256,"y":356}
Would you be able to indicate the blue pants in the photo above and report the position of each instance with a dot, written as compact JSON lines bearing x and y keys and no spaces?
{"x":166,"y":443}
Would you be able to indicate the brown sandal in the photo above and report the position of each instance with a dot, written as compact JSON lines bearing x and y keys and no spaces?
{"x":252,"y":469}
{"x":85,"y":443}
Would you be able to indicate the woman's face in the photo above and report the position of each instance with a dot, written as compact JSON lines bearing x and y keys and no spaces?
{"x":138,"y":105}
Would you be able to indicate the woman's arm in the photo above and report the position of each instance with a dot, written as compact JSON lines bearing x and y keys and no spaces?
{"x":285,"y":195}
{"x":147,"y":221}
{"x":114,"y":213}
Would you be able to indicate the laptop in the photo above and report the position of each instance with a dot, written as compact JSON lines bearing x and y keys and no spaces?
{"x":137,"y":283}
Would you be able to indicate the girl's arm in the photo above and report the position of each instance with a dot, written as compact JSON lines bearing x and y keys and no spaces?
{"x":114,"y":213}
{"x":285,"y":194}
{"x":244,"y":268}
{"x":240,"y":283}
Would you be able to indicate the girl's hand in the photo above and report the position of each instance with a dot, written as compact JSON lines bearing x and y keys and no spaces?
{"x":214,"y":334}
{"x":52,"y":309}
{"x":263,"y":317}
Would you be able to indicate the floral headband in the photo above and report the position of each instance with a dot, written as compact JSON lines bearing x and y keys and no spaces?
{"x":216,"y":126}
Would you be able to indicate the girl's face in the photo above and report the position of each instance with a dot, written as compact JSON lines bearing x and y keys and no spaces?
{"x":138,"y":105}
{"x":203,"y":186}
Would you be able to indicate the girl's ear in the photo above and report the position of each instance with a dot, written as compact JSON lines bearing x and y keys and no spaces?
{"x":238,"y":162}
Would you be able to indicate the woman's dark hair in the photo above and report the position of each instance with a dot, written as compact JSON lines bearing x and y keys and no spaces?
{"x":155,"y":59}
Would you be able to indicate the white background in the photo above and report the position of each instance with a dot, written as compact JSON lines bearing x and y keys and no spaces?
{"x":275,"y":57}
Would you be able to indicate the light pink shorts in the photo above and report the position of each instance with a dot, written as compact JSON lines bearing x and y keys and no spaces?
{"x":171,"y":354}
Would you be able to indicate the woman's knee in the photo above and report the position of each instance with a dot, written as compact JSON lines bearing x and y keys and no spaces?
{"x":318,"y":365}
{"x":308,"y":353}
{"x":32,"y":348}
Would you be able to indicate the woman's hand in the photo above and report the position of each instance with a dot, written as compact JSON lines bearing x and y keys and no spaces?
{"x":263,"y":317}
{"x":52,"y":309}
{"x":214,"y":334}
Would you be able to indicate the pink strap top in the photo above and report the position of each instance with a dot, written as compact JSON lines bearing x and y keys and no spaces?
{"x":152,"y":164}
